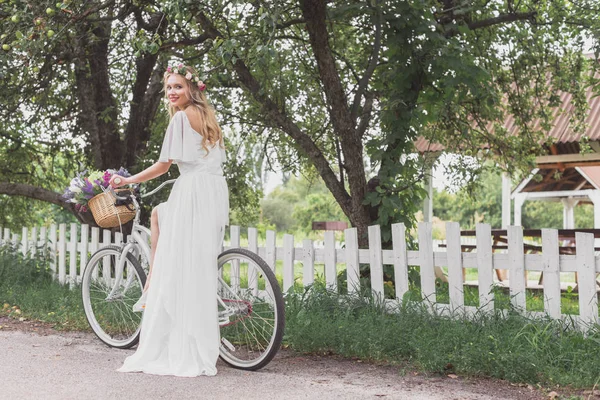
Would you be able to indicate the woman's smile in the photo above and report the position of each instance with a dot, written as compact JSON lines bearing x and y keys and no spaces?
{"x":177,"y":91}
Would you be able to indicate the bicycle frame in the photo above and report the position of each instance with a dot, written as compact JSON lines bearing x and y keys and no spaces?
{"x":135,"y":241}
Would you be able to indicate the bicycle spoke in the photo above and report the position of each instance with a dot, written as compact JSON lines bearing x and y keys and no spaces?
{"x":112,"y":319}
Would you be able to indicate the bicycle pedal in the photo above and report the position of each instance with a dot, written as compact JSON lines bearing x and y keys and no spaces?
{"x":228,"y":344}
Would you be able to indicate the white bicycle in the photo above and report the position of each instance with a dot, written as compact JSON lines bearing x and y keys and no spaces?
{"x":251,"y":308}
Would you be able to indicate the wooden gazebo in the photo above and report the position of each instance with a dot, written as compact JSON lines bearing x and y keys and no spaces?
{"x":564,"y":174}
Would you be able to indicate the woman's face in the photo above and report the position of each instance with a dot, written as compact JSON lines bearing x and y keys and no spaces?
{"x":177,"y":91}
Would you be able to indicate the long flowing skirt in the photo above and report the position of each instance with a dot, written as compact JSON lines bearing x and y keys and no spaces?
{"x":180,"y":332}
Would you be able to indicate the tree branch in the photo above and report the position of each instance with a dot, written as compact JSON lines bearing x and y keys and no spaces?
{"x":34,"y":192}
{"x":364,"y":81}
{"x":365,"y":117}
{"x":185,"y":42}
{"x":501,"y":19}
{"x":291,"y":22}
{"x":314,"y":12}
{"x":278,"y":119}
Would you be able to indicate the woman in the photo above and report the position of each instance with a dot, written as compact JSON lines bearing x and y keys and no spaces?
{"x":180,"y":332}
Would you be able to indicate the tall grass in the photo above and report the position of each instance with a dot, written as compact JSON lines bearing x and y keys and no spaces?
{"x":497,"y":345}
{"x":26,"y":285}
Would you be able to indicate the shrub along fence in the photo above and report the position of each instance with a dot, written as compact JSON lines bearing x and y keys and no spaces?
{"x":83,"y":241}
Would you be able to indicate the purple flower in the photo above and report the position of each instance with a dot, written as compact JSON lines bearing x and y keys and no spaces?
{"x":67,"y":195}
{"x":123,"y":172}
{"x":106,"y":178}
{"x":88,"y":188}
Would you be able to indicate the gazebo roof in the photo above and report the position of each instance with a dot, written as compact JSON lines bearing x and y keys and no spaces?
{"x":566,"y":140}
{"x":571,"y":179}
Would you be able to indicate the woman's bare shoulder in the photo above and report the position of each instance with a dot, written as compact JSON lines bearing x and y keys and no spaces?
{"x":194,"y":117}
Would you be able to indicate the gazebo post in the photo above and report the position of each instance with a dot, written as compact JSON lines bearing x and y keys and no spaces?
{"x":595,"y":198}
{"x":506,"y":185}
{"x":568,"y":212}
{"x":428,"y":201}
{"x":519,"y":200}
{"x":429,"y":160}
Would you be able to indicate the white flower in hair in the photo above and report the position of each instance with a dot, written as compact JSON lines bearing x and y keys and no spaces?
{"x":188,"y":76}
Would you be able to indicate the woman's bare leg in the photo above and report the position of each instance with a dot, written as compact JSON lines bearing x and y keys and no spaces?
{"x":154,"y":232}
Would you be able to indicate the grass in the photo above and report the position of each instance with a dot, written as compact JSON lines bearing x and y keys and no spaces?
{"x":502,"y":345}
{"x":28,"y":291}
{"x":506,"y":347}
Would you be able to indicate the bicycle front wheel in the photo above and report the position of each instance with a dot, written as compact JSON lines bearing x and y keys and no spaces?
{"x":251,"y":310}
{"x":108,"y":299}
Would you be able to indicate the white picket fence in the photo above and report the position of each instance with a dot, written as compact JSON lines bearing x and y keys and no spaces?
{"x":80,"y":244}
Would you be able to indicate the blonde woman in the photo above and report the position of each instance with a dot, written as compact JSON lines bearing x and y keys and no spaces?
{"x":180,"y":332}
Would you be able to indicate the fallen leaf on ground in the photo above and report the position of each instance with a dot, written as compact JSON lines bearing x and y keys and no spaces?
{"x":553,"y":395}
{"x":452,"y":376}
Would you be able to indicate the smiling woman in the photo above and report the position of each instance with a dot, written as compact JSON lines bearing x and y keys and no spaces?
{"x":179,"y":331}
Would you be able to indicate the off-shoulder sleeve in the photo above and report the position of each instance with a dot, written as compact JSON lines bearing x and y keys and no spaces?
{"x":180,"y":143}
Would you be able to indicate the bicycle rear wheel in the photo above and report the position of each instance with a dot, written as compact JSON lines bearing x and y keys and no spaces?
{"x":109,"y":309}
{"x":251,"y":310}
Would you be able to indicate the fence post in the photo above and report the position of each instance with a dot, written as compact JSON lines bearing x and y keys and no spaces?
{"x":106,"y":238}
{"x":376,"y":260}
{"x":24,"y":241}
{"x":44,"y":240}
{"x":485,"y":267}
{"x":83,"y":249}
{"x":53,"y":249}
{"x":308,"y":263}
{"x":426,"y":262}
{"x":586,"y":271}
{"x":400,"y":259}
{"x":235,"y":264}
{"x":516,"y":267}
{"x":288,"y":261}
{"x":61,"y":250}
{"x":330,"y":260}
{"x":455,"y":269}
{"x":252,"y":272}
{"x":34,"y":241}
{"x":551,"y":271}
{"x":271,"y":250}
{"x":94,"y":245}
{"x":73,"y":255}
{"x":352,"y":260}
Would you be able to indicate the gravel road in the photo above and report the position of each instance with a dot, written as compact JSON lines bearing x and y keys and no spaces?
{"x":60,"y":365}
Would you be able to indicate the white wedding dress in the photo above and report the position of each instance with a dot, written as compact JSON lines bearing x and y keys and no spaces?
{"x":180,"y":332}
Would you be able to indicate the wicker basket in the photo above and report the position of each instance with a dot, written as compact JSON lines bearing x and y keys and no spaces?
{"x":106,"y":214}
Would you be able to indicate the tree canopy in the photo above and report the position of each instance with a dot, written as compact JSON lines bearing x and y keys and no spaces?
{"x":343,"y":87}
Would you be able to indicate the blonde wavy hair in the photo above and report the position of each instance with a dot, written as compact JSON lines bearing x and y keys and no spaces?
{"x":210,"y":130}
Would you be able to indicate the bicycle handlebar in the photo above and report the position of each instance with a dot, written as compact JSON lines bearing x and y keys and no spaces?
{"x":114,"y":193}
{"x":159,"y":187}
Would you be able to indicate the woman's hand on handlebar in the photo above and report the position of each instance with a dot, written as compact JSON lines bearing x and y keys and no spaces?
{"x":118,"y":181}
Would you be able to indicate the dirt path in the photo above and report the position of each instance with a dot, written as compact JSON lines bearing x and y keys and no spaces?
{"x":38,"y":362}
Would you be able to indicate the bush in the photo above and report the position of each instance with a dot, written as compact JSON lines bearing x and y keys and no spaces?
{"x":19,"y":270}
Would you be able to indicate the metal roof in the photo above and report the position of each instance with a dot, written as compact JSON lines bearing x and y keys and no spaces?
{"x":562,"y":131}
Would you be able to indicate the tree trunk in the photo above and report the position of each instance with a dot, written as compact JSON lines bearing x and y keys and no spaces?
{"x":98,"y":110}
{"x":315,"y":13}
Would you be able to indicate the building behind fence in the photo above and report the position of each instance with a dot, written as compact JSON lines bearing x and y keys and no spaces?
{"x":69,"y":256}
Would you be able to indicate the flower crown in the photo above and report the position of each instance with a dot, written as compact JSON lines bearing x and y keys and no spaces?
{"x":181,"y":70}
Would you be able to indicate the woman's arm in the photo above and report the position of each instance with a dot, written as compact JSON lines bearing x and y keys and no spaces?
{"x":156,"y":169}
